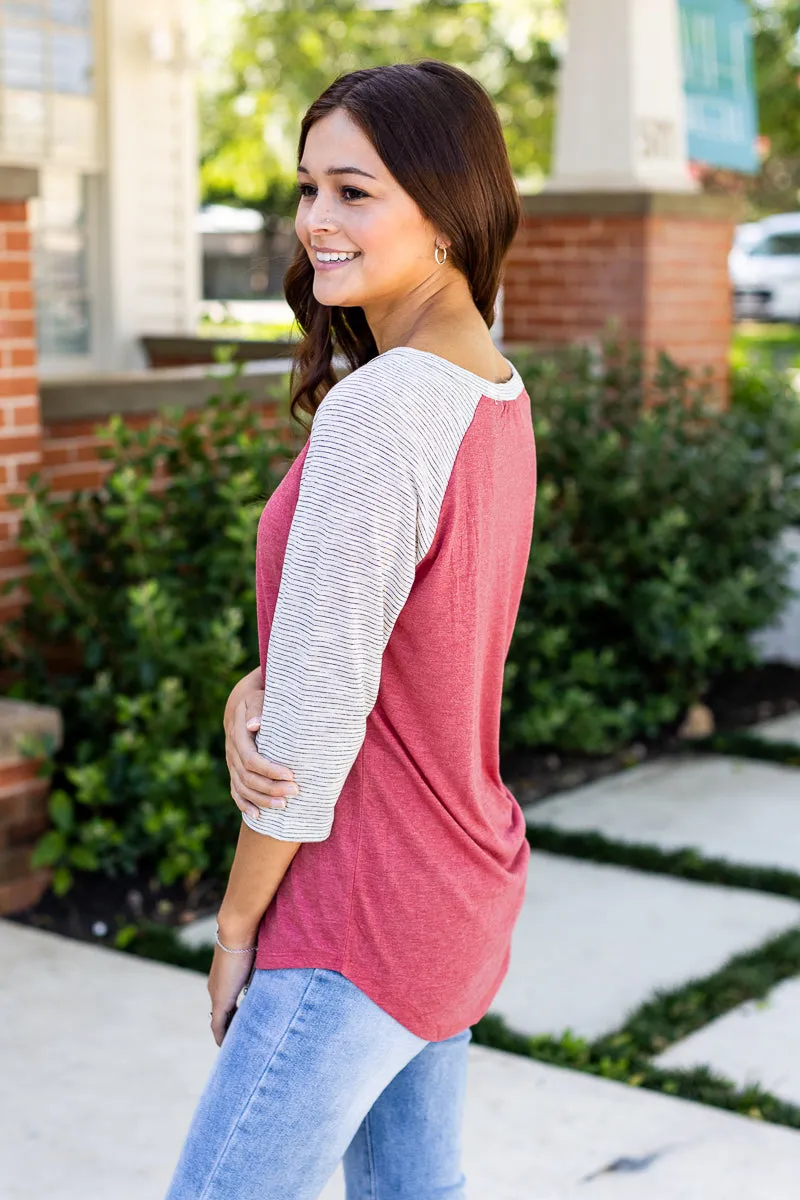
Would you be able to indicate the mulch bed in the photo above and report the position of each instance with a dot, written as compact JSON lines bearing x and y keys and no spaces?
{"x":97,"y":907}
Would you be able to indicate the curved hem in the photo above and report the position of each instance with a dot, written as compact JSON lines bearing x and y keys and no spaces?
{"x":435,"y":1033}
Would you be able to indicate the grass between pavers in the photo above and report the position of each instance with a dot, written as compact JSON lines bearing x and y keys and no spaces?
{"x":748,"y":745}
{"x":623,"y":1056}
{"x":624,"y":1065}
{"x":668,"y":1017}
{"x":687,"y":863}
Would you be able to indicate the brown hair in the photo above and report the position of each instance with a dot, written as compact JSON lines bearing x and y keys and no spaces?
{"x":438,"y":132}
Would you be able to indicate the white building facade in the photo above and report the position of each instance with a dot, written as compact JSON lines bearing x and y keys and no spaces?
{"x":98,"y":97}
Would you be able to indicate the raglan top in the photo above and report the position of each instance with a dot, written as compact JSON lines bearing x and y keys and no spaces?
{"x":389,"y":570}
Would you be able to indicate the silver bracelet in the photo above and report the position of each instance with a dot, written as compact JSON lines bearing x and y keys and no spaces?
{"x":243,"y":950}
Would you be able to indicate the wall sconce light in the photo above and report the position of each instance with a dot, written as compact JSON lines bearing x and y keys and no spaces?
{"x":161,"y":44}
{"x":171,"y":44}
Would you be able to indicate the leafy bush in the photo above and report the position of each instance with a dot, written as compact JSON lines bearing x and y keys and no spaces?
{"x":653,"y":556}
{"x":141,"y":619}
{"x":652,"y":565}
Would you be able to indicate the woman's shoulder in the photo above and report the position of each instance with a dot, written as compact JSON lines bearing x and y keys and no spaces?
{"x":409,"y":381}
{"x":386,"y":375}
{"x":377,"y":396}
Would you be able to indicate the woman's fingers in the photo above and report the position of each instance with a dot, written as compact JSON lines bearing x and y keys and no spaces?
{"x":243,"y":805}
{"x":275,"y":798}
{"x":253,"y":706}
{"x":253,"y":763}
{"x":256,"y":785}
{"x":257,"y":779}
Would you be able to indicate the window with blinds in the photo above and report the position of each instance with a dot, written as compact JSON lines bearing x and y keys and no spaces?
{"x":48,"y":119}
{"x":47,"y":105}
{"x":58,"y":220}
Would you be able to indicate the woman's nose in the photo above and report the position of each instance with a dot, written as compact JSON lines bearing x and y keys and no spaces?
{"x":320,"y":216}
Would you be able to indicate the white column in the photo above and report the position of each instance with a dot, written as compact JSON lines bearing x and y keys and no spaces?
{"x":621,"y":121}
{"x":149,"y":191}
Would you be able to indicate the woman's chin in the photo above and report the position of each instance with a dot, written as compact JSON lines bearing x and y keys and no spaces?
{"x":332,"y":294}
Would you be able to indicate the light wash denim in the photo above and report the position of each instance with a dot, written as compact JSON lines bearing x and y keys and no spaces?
{"x":312,"y":1072}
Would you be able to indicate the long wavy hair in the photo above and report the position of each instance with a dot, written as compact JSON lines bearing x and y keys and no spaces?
{"x":439,"y":134}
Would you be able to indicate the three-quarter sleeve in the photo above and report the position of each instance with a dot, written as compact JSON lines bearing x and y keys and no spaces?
{"x":350,"y":561}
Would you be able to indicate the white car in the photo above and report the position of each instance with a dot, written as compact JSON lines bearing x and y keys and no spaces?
{"x":764,"y":265}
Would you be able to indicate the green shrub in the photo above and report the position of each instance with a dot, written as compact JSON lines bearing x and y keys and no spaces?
{"x":652,"y":564}
{"x":653,"y":556}
{"x":141,"y":619}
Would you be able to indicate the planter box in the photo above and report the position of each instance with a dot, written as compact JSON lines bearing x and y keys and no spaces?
{"x":175,"y":351}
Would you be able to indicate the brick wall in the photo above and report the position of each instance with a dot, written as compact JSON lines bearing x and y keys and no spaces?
{"x":69,"y":447}
{"x":69,"y":454}
{"x":655,"y":265}
{"x":23,"y":801}
{"x":20,"y":425}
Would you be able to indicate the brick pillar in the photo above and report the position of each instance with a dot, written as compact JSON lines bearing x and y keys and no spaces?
{"x":23,"y":800}
{"x":656,"y":263}
{"x":20,"y":421}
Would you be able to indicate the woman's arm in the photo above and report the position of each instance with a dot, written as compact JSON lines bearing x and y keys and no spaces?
{"x":259,"y":865}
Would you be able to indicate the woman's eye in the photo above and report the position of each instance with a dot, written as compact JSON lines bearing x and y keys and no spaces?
{"x":306,"y":190}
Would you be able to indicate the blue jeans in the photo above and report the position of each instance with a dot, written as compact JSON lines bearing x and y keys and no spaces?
{"x":312,"y":1072}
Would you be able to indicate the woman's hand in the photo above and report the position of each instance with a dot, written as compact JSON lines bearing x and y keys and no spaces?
{"x":229,"y":973}
{"x":255,"y":781}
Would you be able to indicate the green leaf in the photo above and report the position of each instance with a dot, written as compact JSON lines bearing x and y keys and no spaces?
{"x":49,"y":849}
{"x":61,"y":810}
{"x":83,"y":858}
{"x":125,"y":936}
{"x":62,"y":881}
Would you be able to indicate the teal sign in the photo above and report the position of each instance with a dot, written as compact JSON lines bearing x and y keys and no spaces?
{"x":721,"y":112}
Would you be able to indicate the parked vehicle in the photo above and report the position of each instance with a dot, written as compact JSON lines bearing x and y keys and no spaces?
{"x":764,"y":265}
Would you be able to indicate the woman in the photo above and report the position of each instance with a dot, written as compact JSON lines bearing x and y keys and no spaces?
{"x":371,"y":904}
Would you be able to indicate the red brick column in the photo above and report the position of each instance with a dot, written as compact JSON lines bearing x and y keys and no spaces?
{"x":654,"y":263}
{"x":20,"y":421}
{"x":23,"y":800}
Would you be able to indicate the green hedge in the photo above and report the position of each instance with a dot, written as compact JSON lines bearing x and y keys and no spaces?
{"x":150,"y":589}
{"x":653,"y":559}
{"x":652,"y":565}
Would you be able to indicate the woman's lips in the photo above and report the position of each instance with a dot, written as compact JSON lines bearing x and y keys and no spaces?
{"x":332,"y":266}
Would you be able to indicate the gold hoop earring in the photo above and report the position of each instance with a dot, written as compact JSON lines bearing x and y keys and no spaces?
{"x":440,"y":261}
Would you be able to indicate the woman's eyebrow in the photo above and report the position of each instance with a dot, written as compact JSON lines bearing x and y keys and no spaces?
{"x":340,"y":171}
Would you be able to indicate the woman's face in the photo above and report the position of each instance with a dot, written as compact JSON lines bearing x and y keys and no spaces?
{"x":350,"y":203}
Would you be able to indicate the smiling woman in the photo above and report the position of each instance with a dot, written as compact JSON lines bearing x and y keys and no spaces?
{"x":420,"y":201}
{"x":379,"y":897}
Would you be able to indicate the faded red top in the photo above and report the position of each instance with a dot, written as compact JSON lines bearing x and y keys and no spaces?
{"x":390,"y":566}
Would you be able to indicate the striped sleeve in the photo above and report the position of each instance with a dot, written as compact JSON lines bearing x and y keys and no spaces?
{"x":349,"y":567}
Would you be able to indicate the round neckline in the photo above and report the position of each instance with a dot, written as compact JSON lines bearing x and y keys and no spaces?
{"x":508,"y":389}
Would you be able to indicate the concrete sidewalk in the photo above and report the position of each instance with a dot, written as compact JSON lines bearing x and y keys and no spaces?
{"x":621,"y":930}
{"x":104,"y":1056}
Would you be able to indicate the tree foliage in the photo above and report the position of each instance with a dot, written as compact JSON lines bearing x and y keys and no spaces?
{"x":285,"y":53}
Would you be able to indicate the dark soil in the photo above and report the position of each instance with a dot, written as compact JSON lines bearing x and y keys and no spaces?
{"x":97,"y":907}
